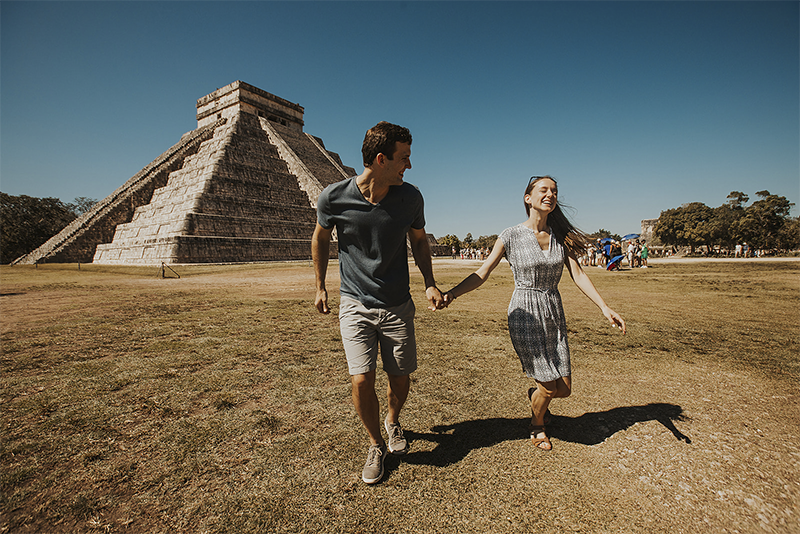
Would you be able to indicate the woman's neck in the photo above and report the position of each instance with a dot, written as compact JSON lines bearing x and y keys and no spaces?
{"x":537,"y":221}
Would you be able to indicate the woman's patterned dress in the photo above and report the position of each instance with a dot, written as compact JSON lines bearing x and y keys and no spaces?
{"x":535,"y":314}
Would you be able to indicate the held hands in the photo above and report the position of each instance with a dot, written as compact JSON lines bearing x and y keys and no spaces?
{"x":444,"y":302}
{"x":435,"y":298}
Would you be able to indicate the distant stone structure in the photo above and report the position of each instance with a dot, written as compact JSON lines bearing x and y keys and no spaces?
{"x":648,"y":229}
{"x":241,"y":187}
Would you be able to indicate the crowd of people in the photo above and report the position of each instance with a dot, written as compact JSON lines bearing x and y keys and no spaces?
{"x":471,"y":253}
{"x":605,"y":252}
{"x":599,"y":254}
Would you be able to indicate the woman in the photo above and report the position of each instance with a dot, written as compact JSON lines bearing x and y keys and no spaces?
{"x":537,"y":250}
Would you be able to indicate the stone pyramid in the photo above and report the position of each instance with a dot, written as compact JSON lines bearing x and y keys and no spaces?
{"x":242,"y":187}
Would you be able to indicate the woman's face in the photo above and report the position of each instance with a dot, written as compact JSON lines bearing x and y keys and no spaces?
{"x":544,"y":196}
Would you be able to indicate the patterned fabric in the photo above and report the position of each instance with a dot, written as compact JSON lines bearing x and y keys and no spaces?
{"x":535,"y":314}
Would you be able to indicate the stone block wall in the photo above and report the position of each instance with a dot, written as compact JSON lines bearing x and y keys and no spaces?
{"x":242,"y":187}
{"x":235,"y":196}
{"x":77,"y":242}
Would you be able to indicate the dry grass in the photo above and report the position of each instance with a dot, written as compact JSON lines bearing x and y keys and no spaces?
{"x":219,"y":402}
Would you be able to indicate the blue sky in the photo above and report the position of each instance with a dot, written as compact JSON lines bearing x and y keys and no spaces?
{"x":634,"y":107}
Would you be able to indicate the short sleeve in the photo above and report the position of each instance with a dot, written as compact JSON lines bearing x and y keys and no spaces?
{"x":324,"y":215}
{"x":419,"y":217}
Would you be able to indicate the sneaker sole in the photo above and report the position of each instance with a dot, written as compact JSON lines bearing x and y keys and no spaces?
{"x":373,"y":480}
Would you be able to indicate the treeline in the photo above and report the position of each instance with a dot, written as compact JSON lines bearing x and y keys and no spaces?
{"x":483,"y":242}
{"x":764,"y":225}
{"x":28,"y":222}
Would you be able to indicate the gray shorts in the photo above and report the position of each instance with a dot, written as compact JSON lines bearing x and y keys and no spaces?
{"x":363,"y":329}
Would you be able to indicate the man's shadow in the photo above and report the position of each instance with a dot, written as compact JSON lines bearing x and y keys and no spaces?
{"x":455,"y":441}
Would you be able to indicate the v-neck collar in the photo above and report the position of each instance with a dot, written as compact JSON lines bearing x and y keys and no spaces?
{"x":549,"y":241}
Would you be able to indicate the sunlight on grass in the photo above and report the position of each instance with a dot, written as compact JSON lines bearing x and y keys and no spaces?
{"x":219,"y":402}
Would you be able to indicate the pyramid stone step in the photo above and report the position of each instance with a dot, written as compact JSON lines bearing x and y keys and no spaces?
{"x":248,"y":194}
{"x":241,"y":187}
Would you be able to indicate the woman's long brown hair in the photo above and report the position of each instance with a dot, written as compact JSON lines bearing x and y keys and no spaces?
{"x":566,"y":233}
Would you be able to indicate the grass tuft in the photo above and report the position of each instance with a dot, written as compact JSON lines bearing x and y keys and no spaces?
{"x":220,"y":402}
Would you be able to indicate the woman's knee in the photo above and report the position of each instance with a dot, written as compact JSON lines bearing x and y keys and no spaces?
{"x":558,"y":389}
{"x":548,"y":390}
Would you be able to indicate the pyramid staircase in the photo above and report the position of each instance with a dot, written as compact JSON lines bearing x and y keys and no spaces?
{"x":244,"y":189}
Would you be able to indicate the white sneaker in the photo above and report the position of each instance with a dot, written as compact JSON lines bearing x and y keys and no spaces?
{"x":397,"y":441}
{"x":373,"y":469}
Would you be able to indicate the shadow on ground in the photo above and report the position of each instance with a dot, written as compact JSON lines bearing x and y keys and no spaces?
{"x":457,"y":440}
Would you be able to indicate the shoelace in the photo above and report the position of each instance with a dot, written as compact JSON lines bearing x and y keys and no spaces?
{"x":374,"y":455}
{"x":397,"y":431}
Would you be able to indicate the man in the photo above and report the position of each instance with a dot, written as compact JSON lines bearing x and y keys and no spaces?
{"x":373,"y":213}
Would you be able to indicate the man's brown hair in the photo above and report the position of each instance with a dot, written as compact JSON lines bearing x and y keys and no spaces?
{"x":381,"y":139}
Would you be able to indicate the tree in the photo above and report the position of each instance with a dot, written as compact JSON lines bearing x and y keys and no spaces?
{"x":602,"y":233}
{"x":451,"y":241}
{"x":27,"y":222}
{"x":763,"y":220}
{"x":765,"y":224}
{"x":81,"y":205}
{"x":789,"y":235}
{"x":723,"y":224}
{"x":690,"y":225}
{"x":737,"y":200}
{"x":468,"y":241}
{"x":486,"y":241}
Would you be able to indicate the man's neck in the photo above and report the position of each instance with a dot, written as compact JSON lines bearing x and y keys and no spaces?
{"x":371,"y":186}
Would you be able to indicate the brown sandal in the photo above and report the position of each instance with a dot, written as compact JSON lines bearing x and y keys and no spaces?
{"x":537,"y":442}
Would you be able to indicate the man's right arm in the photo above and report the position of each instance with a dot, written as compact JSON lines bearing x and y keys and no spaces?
{"x":320,"y":252}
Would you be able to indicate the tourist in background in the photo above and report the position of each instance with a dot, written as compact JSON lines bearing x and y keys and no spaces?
{"x":631,"y":254}
{"x":373,"y":213}
{"x":537,"y":250}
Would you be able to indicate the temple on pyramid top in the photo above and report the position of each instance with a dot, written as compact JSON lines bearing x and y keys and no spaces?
{"x":239,"y":97}
{"x":242,"y":187}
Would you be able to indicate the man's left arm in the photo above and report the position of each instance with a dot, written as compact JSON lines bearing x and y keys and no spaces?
{"x":422,"y":256}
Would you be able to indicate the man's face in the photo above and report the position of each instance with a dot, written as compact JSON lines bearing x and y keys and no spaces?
{"x":401,"y":160}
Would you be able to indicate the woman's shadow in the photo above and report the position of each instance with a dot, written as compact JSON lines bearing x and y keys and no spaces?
{"x":455,"y":441}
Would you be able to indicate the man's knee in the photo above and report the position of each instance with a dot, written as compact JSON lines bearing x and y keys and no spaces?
{"x":365,"y":381}
{"x":399,"y":380}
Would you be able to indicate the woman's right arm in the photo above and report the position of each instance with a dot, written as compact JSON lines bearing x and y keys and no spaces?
{"x":477,"y":278}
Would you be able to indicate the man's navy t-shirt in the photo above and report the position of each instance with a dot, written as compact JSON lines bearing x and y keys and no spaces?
{"x":373,"y":258}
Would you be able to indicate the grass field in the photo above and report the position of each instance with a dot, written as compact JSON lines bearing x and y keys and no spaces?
{"x":220,"y":402}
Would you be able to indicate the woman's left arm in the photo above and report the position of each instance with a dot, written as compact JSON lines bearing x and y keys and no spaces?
{"x":585,"y":284}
